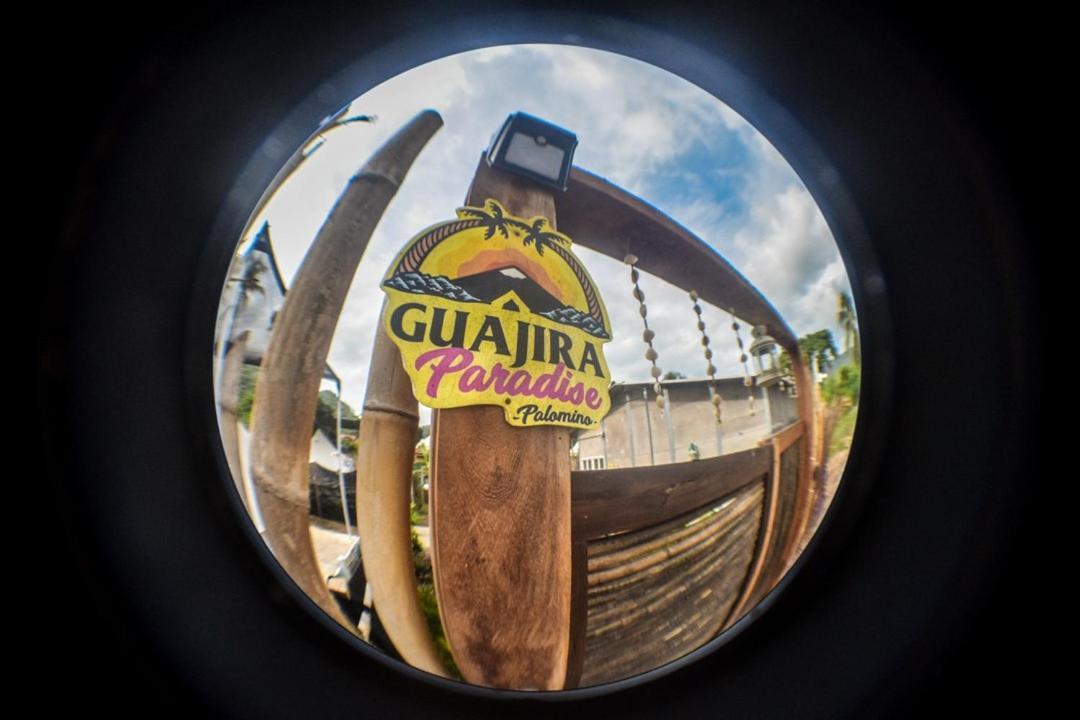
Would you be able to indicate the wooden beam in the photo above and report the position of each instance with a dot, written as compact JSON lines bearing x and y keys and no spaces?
{"x":611,"y":501}
{"x":286,"y":392}
{"x":806,"y":384}
{"x":500,"y":514}
{"x":603,"y":217}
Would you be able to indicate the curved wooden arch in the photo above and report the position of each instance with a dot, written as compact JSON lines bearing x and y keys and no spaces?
{"x":288,"y":385}
{"x":603,"y":217}
{"x":388,"y":432}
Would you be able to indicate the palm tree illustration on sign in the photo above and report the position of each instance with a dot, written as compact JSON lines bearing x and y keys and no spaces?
{"x":535,"y":233}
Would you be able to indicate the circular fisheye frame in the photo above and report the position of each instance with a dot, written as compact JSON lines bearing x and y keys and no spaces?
{"x":537,"y":388}
{"x":904,"y":600}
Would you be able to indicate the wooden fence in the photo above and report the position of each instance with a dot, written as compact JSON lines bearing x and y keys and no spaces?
{"x":665,"y":557}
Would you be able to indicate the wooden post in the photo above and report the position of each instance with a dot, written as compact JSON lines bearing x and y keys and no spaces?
{"x":286,"y":392}
{"x":500,"y":519}
{"x":648,"y":424}
{"x":670,"y":424}
{"x":388,"y":430}
{"x":806,"y":383}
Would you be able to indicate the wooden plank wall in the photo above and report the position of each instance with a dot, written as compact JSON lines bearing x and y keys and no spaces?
{"x":660,"y":557}
{"x":656,"y":594}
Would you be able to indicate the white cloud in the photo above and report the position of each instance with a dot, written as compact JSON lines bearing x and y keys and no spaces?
{"x":638,"y":126}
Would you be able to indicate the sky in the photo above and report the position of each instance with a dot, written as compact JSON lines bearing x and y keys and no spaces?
{"x":651,"y":132}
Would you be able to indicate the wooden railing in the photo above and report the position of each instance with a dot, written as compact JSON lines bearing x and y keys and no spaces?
{"x":546,"y":579}
{"x":665,"y":557}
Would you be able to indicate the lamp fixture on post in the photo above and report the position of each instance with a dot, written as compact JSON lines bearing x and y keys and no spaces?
{"x":535,"y":148}
{"x":764,"y":352}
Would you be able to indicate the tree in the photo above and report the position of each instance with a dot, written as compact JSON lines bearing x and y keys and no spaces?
{"x":818,"y":350}
{"x":849,"y":324}
{"x":674,"y":375}
{"x":326,"y":414}
{"x":420,"y":473}
{"x":325,"y":410}
{"x":248,"y":376}
{"x":842,"y":389}
{"x":248,"y":282}
{"x":785,"y":365}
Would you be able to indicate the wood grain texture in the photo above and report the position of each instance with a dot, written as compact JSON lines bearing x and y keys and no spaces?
{"x":500,"y":513}
{"x":630,"y":525}
{"x":808,"y":458}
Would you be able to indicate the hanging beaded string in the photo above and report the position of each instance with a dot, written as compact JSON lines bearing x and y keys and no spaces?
{"x":748,"y":379}
{"x":648,"y":335}
{"x":711,"y":369}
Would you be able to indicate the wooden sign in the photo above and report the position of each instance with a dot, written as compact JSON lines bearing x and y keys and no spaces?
{"x":492,"y":309}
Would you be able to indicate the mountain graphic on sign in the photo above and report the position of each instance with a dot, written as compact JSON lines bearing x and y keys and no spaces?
{"x":491,"y":285}
{"x":424,"y":284}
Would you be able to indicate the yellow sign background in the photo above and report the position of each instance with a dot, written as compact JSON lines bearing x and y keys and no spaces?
{"x":491,"y":309}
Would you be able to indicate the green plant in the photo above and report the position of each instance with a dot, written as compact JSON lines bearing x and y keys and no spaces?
{"x":248,"y":375}
{"x":843,"y":387}
{"x":326,"y":414}
{"x":843,"y":430}
{"x":429,"y":605}
{"x":819,"y":350}
{"x":849,"y":324}
{"x":325,"y":410}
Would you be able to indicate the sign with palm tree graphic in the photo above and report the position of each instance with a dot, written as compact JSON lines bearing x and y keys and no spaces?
{"x":492,"y":309}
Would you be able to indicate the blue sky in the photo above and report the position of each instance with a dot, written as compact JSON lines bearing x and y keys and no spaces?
{"x":651,"y":132}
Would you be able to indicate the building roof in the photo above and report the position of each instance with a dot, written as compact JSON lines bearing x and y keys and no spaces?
{"x":254,"y":320}
{"x":262,"y":244}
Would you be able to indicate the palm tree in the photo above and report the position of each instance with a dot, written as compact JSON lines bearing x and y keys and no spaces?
{"x":247,"y":283}
{"x":493,"y":220}
{"x":849,"y":323}
{"x":539,"y":238}
{"x":536,"y":236}
{"x":819,"y":350}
